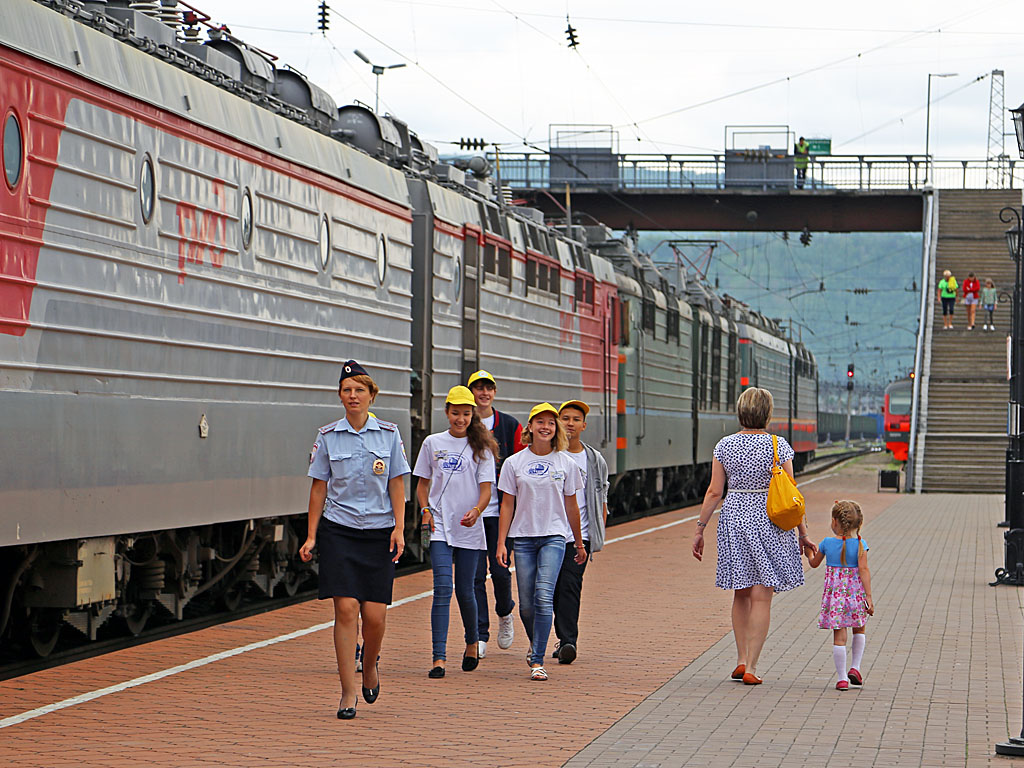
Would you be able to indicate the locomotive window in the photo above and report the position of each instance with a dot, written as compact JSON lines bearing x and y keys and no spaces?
{"x":456,"y":279}
{"x":579,"y":290}
{"x":588,"y":292}
{"x":672,"y":325}
{"x":647,"y":315}
{"x":555,"y":282}
{"x":504,"y":263}
{"x":147,"y":187}
{"x":246,"y":220}
{"x":382,"y":258}
{"x":531,"y":274}
{"x":490,"y":259}
{"x":13,"y":150}
{"x":542,"y":276}
{"x":325,"y":242}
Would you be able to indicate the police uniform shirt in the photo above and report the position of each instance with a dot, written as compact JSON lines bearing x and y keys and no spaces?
{"x":540,"y":485}
{"x":357,"y":467}
{"x":455,"y":477}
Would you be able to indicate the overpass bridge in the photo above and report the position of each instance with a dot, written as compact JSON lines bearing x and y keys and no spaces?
{"x":744,"y":190}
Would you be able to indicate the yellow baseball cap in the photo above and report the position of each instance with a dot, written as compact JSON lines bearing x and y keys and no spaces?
{"x":481,"y":374}
{"x":575,"y":404}
{"x":542,"y":408}
{"x":460,"y":395}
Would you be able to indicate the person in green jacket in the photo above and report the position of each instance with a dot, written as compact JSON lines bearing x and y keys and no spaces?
{"x":988,"y":301}
{"x":801,"y":154}
{"x":947,"y":295}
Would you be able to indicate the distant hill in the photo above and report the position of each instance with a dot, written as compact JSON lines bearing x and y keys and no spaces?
{"x":783,"y":279}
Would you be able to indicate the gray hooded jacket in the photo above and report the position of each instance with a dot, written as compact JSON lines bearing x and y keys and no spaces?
{"x":596,"y":494}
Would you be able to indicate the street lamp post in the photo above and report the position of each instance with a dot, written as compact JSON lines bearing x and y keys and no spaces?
{"x":378,"y":70}
{"x":1013,"y":573}
{"x":928,"y":124}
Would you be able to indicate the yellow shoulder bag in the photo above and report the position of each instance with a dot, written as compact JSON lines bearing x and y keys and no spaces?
{"x":785,"y":502}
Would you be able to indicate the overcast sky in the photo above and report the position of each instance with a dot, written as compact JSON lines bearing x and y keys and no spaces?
{"x":502,"y":70}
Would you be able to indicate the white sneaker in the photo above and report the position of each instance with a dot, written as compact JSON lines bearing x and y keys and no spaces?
{"x":506,"y":631}
{"x":481,"y":648}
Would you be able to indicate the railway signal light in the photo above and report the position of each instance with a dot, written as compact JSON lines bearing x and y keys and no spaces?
{"x":570,"y":34}
{"x":324,"y":21}
{"x":805,"y":237}
{"x":849,"y":376}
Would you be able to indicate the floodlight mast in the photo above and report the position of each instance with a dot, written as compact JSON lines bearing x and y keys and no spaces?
{"x":377,"y":70}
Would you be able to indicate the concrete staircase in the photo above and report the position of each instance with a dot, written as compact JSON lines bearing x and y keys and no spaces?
{"x":962,"y":430}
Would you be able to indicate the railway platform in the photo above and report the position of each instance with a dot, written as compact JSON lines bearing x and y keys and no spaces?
{"x":650,"y":688}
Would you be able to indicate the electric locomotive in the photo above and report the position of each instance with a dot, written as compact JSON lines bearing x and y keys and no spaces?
{"x":192,"y":236}
{"x":896,"y":417}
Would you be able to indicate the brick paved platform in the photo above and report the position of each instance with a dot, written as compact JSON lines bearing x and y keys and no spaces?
{"x":942,"y":666}
{"x":649,"y":611}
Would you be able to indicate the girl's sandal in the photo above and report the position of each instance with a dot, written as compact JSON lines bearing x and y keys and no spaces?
{"x":737,"y":674}
{"x":538,"y":673}
{"x":749,"y":678}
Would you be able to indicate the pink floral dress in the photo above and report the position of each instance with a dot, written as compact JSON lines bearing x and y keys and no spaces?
{"x":843,"y":602}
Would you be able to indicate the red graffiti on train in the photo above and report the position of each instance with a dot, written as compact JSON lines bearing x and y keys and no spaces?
{"x":201,"y":230}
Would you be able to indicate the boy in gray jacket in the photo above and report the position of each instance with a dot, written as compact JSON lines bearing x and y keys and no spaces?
{"x":593,"y":503}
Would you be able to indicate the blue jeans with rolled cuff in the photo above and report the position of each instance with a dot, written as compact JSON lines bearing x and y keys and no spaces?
{"x":444,"y":560}
{"x":538,"y":559}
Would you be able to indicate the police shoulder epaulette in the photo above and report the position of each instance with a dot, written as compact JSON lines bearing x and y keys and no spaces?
{"x":388,"y":425}
{"x":329,"y":427}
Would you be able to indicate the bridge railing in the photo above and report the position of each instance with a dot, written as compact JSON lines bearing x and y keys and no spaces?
{"x":530,"y":170}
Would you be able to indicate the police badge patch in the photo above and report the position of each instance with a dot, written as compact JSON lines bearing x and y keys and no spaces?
{"x":379,"y":467}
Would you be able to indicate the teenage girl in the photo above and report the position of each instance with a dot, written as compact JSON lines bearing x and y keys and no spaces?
{"x":455,"y":470}
{"x":846,"y":601}
{"x":539,"y":511}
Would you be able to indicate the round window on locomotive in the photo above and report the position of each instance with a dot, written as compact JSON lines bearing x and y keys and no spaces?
{"x":246,"y":220}
{"x":456,"y":280}
{"x":382,"y":258}
{"x":325,"y":242}
{"x":13,"y":150}
{"x":147,"y":188}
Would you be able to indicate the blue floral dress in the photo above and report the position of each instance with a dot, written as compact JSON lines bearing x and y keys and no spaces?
{"x":751,"y":549}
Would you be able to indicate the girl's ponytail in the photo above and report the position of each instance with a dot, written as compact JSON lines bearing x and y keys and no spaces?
{"x":480,"y":439}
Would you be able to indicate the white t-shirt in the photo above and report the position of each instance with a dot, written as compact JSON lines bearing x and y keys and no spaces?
{"x":492,"y":506}
{"x":581,"y":495}
{"x":455,"y":477}
{"x":540,"y":485}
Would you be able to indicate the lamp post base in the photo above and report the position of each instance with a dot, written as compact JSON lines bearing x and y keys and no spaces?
{"x":1003,"y":524}
{"x":1012,"y":747}
{"x":1013,"y":573}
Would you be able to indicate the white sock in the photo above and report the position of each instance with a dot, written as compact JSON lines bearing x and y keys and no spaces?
{"x":839,"y":657}
{"x":858,"y":650}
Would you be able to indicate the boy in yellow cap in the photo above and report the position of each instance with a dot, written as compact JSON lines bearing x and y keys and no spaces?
{"x":592,"y":500}
{"x":508,"y":433}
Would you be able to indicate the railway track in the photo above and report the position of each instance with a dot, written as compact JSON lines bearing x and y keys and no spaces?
{"x":19,"y":667}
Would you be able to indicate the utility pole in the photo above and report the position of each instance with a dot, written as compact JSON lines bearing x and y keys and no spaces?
{"x":849,"y":393}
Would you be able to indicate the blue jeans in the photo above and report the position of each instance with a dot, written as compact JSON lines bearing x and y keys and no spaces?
{"x":538,"y":560}
{"x":501,"y":580}
{"x":443,"y":560}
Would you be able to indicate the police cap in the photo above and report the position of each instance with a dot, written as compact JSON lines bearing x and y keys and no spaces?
{"x":351,"y":368}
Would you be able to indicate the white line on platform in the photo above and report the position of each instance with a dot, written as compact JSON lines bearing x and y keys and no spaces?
{"x":31,"y":714}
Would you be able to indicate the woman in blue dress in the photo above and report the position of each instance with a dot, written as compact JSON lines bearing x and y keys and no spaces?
{"x":756,"y":559}
{"x":357,"y":522}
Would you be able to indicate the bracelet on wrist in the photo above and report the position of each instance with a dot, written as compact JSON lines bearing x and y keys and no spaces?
{"x":701,"y":525}
{"x":425,"y":511}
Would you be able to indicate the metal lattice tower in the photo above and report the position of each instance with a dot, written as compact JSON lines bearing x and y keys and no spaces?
{"x":997,"y":163}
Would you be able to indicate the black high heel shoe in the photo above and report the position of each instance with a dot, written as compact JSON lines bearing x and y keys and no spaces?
{"x":370,"y":694}
{"x":346,"y":713}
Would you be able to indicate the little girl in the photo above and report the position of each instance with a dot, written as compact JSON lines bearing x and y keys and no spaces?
{"x":846,"y":601}
{"x":988,"y":301}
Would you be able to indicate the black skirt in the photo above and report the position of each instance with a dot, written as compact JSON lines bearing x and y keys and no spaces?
{"x":355,"y":562}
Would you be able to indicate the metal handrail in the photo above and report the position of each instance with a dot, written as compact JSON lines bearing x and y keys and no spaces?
{"x":682,"y":172}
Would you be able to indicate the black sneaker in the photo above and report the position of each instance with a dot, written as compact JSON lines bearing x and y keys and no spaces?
{"x":566,"y":653}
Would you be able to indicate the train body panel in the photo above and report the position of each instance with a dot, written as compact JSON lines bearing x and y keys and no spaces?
{"x":136,"y":331}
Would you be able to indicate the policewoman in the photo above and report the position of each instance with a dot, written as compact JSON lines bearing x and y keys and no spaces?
{"x":356,"y":522}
